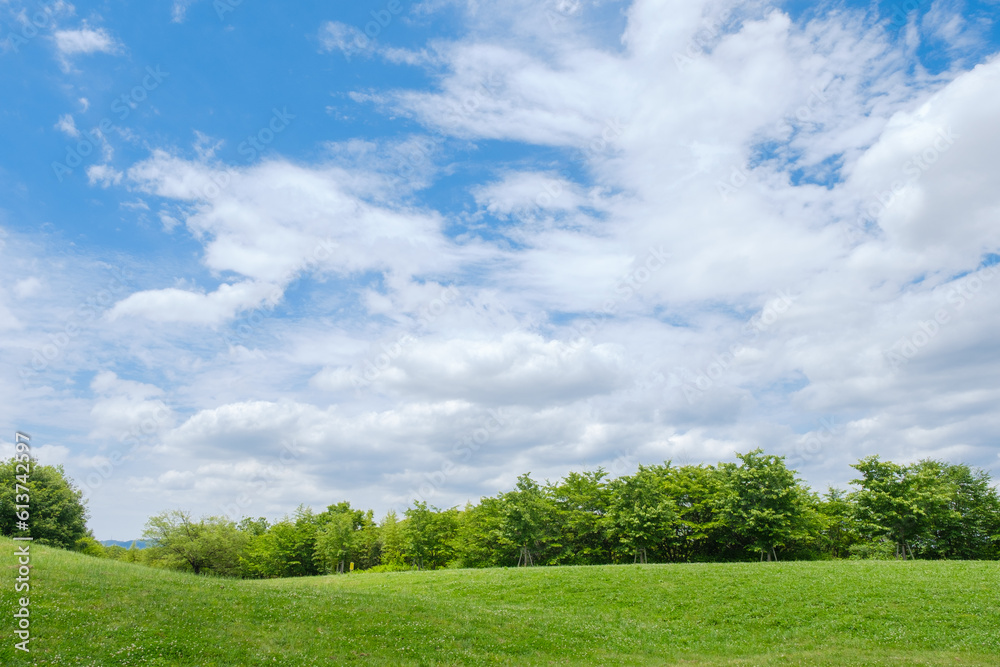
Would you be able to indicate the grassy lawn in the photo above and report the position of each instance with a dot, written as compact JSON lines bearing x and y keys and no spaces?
{"x":87,"y":611}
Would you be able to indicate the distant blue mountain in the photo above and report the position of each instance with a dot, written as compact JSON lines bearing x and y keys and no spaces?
{"x":139,"y":544}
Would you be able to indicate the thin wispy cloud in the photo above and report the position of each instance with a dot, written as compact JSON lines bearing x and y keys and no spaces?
{"x":179,"y":10}
{"x":83,"y":41}
{"x":67,"y":125}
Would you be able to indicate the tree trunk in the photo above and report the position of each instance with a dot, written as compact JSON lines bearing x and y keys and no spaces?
{"x":525,"y":558}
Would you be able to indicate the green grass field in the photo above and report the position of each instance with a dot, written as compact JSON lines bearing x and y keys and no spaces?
{"x":87,"y":611}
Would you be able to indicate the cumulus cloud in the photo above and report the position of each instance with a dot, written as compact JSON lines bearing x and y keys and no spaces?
{"x":384,"y":458}
{"x":275,"y":221}
{"x":519,"y":368}
{"x":749,"y":205}
{"x":122,"y":406}
{"x":931,"y":165}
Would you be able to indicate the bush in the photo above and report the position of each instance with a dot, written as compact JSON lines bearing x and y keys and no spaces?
{"x":391,"y":567}
{"x":874,"y":550}
{"x":91,"y":547}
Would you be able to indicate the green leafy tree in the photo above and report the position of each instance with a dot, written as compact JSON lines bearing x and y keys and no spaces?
{"x":481,"y":540}
{"x":697,"y":530}
{"x":765,"y":505}
{"x":977,"y":503}
{"x":903,"y":503}
{"x":967,"y":526}
{"x":641,"y":513}
{"x":345,"y":534}
{"x":528,"y":514}
{"x":368,"y":547}
{"x":115,"y":552}
{"x":132,"y":554}
{"x":391,"y":540}
{"x":307,"y":526}
{"x":253,"y":527}
{"x":335,"y":542}
{"x":429,"y":535}
{"x":57,"y":513}
{"x":838,"y":531}
{"x":212,"y":544}
{"x":280,"y":551}
{"x":581,"y":503}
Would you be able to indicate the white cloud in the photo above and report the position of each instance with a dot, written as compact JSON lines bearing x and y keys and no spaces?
{"x":659,"y":178}
{"x":136,"y":205}
{"x":8,"y":320}
{"x":104,"y":175}
{"x":85,"y":41}
{"x":177,"y":305}
{"x":179,"y":10}
{"x":516,"y":368}
{"x":349,"y":40}
{"x":123,"y":407}
{"x":67,"y":125}
{"x":47,"y":455}
{"x":169,"y":221}
{"x":276,"y":221}
{"x":27,"y":287}
{"x":206,"y":146}
{"x":931,"y":165}
{"x":519,"y":368}
{"x":523,"y":193}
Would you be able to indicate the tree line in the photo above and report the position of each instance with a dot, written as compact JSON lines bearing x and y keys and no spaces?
{"x":755,"y":509}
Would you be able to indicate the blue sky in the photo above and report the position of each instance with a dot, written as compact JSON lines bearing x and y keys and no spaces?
{"x":256,"y":257}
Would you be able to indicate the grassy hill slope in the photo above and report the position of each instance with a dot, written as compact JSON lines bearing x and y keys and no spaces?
{"x":87,"y":611}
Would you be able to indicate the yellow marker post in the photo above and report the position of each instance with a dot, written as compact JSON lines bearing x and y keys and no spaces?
{"x":352,"y":567}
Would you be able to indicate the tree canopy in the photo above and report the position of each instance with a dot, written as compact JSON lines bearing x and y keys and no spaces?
{"x":57,"y":513}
